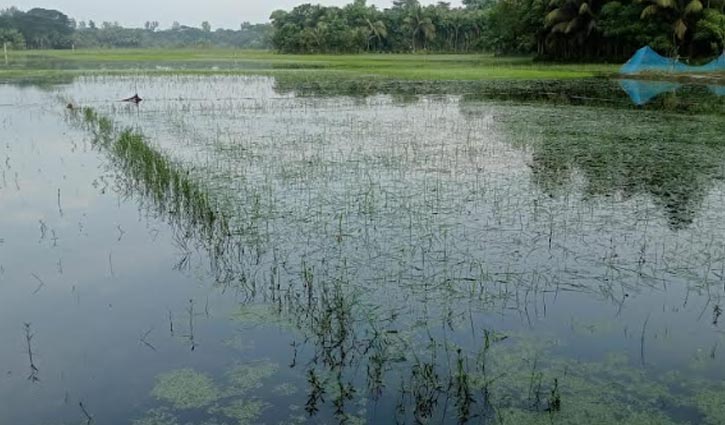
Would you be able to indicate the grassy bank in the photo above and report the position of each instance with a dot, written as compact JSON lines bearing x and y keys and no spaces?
{"x":403,"y":67}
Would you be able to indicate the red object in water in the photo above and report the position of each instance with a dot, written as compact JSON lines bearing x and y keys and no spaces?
{"x":135,"y":99}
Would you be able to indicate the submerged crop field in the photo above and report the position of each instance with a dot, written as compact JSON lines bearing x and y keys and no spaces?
{"x":351,"y":249}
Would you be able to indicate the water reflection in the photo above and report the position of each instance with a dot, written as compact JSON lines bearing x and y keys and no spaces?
{"x":617,"y":94}
{"x":394,"y":261}
{"x":409,"y":253}
{"x":676,"y":162}
{"x":643,"y":92}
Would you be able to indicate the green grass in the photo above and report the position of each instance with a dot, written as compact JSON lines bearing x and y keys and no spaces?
{"x":41,"y":64}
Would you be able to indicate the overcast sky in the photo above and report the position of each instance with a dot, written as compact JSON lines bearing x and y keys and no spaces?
{"x":220,"y":13}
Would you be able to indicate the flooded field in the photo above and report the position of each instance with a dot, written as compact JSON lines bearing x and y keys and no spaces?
{"x":257,"y":250}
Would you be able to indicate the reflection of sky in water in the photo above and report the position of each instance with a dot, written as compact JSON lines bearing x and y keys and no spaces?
{"x":560,"y":264}
{"x":106,"y":273}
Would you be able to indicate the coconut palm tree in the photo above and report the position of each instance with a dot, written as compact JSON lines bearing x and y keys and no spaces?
{"x":681,"y":14}
{"x":420,"y":26}
{"x":376,"y":31}
{"x":571,"y":15}
{"x":574,"y":19}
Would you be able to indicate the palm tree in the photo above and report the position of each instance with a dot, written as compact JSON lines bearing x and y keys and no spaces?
{"x":376,"y":31}
{"x":459,"y":22}
{"x":573,"y":18}
{"x":712,"y":28}
{"x":679,"y":12}
{"x":571,"y":15}
{"x":420,"y":25}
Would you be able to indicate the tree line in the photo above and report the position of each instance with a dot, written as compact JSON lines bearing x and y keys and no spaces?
{"x":552,"y":29}
{"x":51,"y":29}
{"x":555,"y":29}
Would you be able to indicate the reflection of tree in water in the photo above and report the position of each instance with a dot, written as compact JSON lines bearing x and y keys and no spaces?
{"x":673,"y":158}
{"x":585,"y":92}
{"x":671,"y":164}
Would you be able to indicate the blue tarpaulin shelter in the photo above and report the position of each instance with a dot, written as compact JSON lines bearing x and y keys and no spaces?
{"x":647,"y":60}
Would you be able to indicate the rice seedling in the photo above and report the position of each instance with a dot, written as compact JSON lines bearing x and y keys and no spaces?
{"x":34,"y":371}
{"x":383,"y":234}
{"x":88,"y":417}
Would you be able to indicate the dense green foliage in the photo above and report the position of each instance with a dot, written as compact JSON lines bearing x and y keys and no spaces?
{"x":36,"y":28}
{"x":553,"y":29}
{"x":51,"y":29}
{"x":561,"y":29}
{"x":248,"y":36}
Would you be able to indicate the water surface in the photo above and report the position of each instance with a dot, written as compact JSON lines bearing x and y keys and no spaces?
{"x":395,"y":253}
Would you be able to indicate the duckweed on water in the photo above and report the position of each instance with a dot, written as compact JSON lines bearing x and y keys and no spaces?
{"x":599,"y":415}
{"x":243,"y":412}
{"x":158,"y":416}
{"x":285,"y":389}
{"x":189,"y":390}
{"x":239,"y":343}
{"x":186,"y":389}
{"x":245,"y":378}
{"x":711,"y":403}
{"x":253,"y":315}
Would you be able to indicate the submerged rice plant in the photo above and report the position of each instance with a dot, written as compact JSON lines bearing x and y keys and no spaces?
{"x":448,"y":258}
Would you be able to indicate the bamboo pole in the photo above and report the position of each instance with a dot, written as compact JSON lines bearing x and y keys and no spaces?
{"x":5,"y":51}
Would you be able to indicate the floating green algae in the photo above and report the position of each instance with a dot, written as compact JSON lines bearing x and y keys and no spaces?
{"x":239,"y":343}
{"x":294,"y":419}
{"x":245,"y":378}
{"x":186,"y":389}
{"x":158,"y":416}
{"x":285,"y":389}
{"x":712,"y":405}
{"x":263,"y":315}
{"x":244,"y":412}
{"x":529,"y":386}
{"x":593,"y":415}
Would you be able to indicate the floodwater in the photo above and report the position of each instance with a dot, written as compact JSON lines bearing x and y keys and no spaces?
{"x":510,"y":253}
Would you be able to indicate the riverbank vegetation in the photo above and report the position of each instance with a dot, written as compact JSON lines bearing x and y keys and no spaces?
{"x":556,"y":29}
{"x":569,"y":30}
